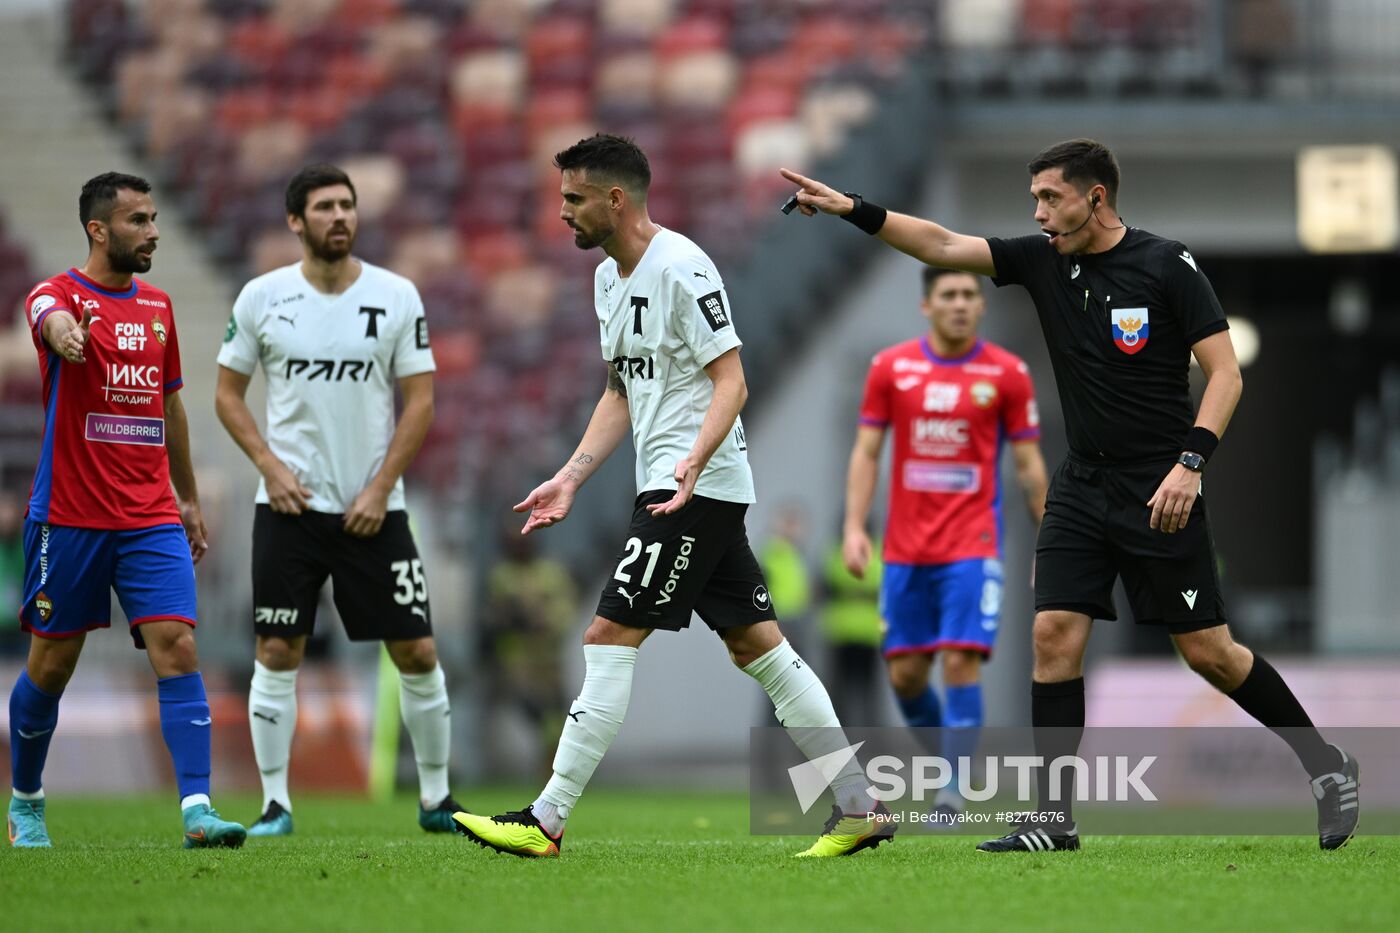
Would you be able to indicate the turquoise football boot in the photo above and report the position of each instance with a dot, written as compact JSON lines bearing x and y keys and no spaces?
{"x":25,"y":822}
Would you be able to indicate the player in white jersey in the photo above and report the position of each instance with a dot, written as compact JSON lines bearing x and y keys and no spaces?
{"x":334,"y":335}
{"x":674,"y":379}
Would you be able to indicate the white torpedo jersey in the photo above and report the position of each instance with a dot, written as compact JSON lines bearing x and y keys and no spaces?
{"x":661,"y":326}
{"x":331,"y":364}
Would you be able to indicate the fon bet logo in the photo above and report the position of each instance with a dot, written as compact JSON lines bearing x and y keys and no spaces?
{"x":1129,"y":329}
{"x":941,"y":396}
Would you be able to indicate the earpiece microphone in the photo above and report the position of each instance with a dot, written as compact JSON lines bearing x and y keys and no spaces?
{"x":1093,"y":206}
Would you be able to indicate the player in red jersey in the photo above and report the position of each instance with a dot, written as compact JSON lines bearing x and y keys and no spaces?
{"x":953,"y":401}
{"x":102,"y":515}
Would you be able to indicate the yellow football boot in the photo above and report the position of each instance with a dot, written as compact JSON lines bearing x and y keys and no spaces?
{"x":517,"y":833}
{"x":847,"y":834}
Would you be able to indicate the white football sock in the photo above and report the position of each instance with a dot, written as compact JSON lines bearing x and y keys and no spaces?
{"x":804,"y":708}
{"x":272,"y":717}
{"x":589,"y":729}
{"x":427,"y":716}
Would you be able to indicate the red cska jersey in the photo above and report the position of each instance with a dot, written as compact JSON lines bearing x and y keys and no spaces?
{"x":103,"y":462}
{"x":950,"y":418}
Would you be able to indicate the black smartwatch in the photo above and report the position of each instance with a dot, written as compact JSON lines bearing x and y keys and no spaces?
{"x":863,"y":215}
{"x":1192,"y":461}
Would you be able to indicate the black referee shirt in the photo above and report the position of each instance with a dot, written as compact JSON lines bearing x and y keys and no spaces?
{"x":1120,"y":325}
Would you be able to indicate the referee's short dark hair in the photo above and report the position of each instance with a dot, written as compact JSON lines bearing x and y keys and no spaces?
{"x":99,"y":195}
{"x":318,"y":175}
{"x":1084,"y":163}
{"x":932,"y":274}
{"x":611,"y":160}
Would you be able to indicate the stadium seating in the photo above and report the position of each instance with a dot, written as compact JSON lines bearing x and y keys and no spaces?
{"x":20,"y":420}
{"x":448,"y":116}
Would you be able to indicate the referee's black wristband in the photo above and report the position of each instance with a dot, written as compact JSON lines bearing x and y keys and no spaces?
{"x":1201,"y":441}
{"x":868,"y":217}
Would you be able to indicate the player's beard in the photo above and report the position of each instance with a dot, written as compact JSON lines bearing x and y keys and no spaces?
{"x":325,"y":251}
{"x":586,"y":240}
{"x":127,"y":259}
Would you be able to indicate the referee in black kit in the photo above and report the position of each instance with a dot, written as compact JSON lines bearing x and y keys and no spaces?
{"x":1122,"y":311}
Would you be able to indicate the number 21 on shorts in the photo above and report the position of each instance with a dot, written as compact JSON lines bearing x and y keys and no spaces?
{"x":634,"y":550}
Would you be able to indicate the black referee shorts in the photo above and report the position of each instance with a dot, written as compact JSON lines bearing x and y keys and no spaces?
{"x":697,"y":560}
{"x":377,"y":583}
{"x":1096,"y":529}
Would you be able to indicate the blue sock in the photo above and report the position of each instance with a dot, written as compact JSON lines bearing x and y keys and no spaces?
{"x":33,"y":716}
{"x":963,"y":722}
{"x":924,"y":712}
{"x":185,"y":723}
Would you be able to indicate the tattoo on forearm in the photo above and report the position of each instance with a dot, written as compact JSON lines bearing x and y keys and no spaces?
{"x":583,"y":459}
{"x":571,"y":473}
{"x":615,"y":382}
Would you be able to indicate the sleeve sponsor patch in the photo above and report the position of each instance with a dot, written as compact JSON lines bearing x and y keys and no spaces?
{"x":712,"y":306}
{"x":421,"y":333}
{"x":40,"y":305}
{"x":232,"y":330}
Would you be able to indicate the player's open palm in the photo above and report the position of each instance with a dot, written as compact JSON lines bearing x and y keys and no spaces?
{"x":285,"y":493}
{"x":193,"y":519}
{"x":686,"y":474}
{"x":71,"y":343}
{"x":855,"y":553}
{"x":548,"y":504}
{"x":1171,"y":503}
{"x":813,"y":196}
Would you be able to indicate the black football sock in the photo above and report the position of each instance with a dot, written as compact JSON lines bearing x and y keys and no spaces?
{"x":1265,"y":696}
{"x":1057,"y":713}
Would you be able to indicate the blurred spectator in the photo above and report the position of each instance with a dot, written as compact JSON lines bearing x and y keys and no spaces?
{"x":12,"y":641}
{"x":1263,"y":37}
{"x":850,"y":617}
{"x":789,"y":580}
{"x":531,"y":602}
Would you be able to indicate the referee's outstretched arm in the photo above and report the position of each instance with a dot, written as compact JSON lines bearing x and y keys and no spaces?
{"x":925,"y":240}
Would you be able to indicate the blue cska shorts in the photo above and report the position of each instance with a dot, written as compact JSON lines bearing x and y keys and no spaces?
{"x":69,"y":574}
{"x":933,"y":607}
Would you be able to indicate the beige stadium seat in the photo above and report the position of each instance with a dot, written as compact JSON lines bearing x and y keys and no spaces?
{"x":146,"y":75}
{"x":829,"y":111}
{"x":635,"y":17}
{"x":423,"y":255}
{"x":403,"y":42}
{"x":297,"y":16}
{"x":379,"y":180}
{"x":770,"y":143}
{"x":506,"y":18}
{"x":979,"y":24}
{"x":521,"y":299}
{"x":552,"y":140}
{"x":174,"y":117}
{"x":494,"y":79}
{"x":627,"y":79}
{"x":701,"y":80}
{"x":273,"y":248}
{"x":273,"y":150}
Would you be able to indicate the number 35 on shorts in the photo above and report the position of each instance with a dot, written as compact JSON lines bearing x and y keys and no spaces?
{"x":410,"y":584}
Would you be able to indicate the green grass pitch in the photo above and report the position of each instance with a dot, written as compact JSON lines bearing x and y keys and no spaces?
{"x":666,"y":862}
